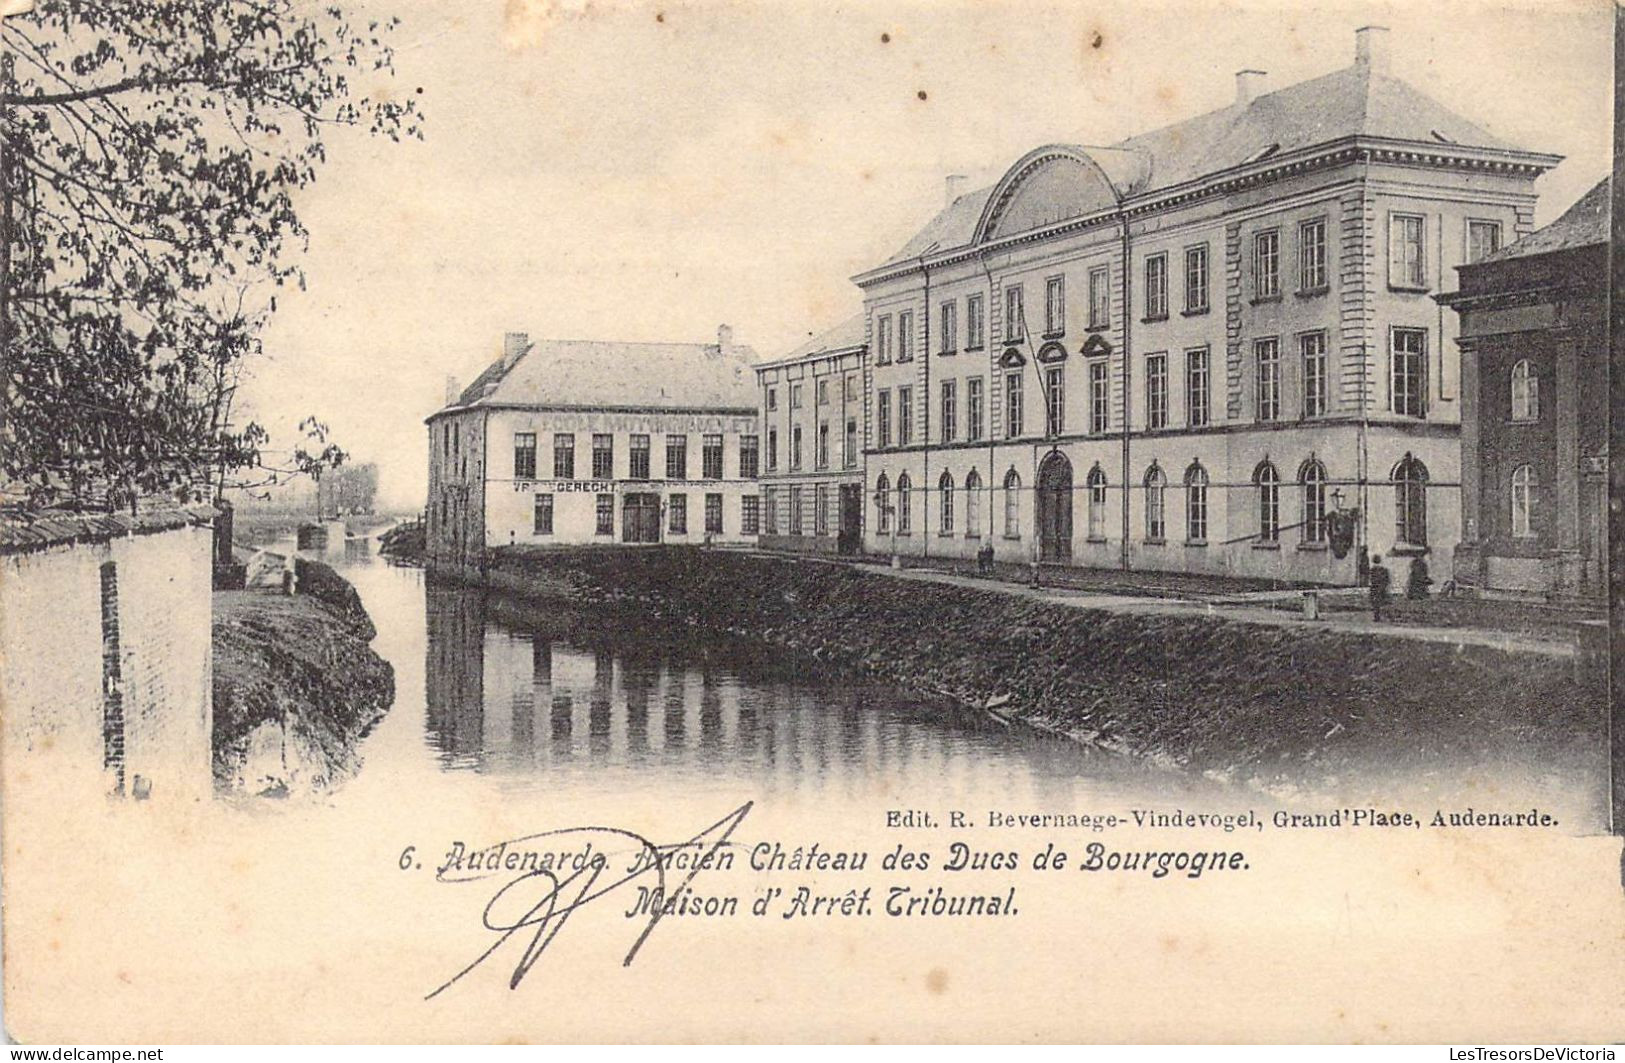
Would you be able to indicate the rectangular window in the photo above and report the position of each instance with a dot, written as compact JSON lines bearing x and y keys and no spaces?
{"x":606,"y":515}
{"x":1015,"y":313}
{"x":1483,"y":238}
{"x":905,"y":416}
{"x":850,"y":387}
{"x":772,"y":398}
{"x":1313,"y":345}
{"x":1156,"y":390}
{"x":883,"y":417}
{"x":821,"y":509}
{"x":849,"y":453}
{"x":1100,"y":297}
{"x":1054,"y":306}
{"x":1012,"y":405}
{"x":795,"y":510}
{"x":1099,"y":396}
{"x":948,"y":326}
{"x":1409,"y":371}
{"x":750,"y":457}
{"x":795,"y":446}
{"x":1196,"y":279}
{"x":823,"y":391}
{"x":823,"y":445}
{"x":1266,"y":264}
{"x":1267,"y":352}
{"x":638,"y":458}
{"x":1196,"y":387}
{"x":1054,"y":401}
{"x":795,"y":396}
{"x":676,"y":457}
{"x":1312,"y":255}
{"x":770,"y":511}
{"x":713,"y":514}
{"x":750,"y":515}
{"x":564,"y":456}
{"x":973,"y":409}
{"x":711,"y":456}
{"x":542,"y":518}
{"x":905,"y":336}
{"x":677,"y":514}
{"x":1156,"y":287}
{"x":975,"y":323}
{"x":603,"y":456}
{"x":950,"y":410}
{"x":772,"y":450}
{"x":524,"y":456}
{"x":1407,"y":265}
{"x":883,"y":340}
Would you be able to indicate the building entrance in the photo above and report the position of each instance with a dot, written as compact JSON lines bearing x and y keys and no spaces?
{"x":640,"y":518}
{"x":1055,"y":508}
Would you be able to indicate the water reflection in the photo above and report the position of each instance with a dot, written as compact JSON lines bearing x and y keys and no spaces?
{"x":523,"y":692}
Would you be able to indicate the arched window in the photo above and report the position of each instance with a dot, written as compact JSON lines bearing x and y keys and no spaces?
{"x":883,"y":504}
{"x":1097,"y":502}
{"x":1411,"y":501}
{"x":1012,"y":505}
{"x":1312,"y":474}
{"x":1156,"y":504}
{"x":1268,"y":482}
{"x":973,"y":503}
{"x":1525,"y":392}
{"x":905,"y":505}
{"x":1196,"y":503}
{"x":1523,"y":501}
{"x":945,"y":491}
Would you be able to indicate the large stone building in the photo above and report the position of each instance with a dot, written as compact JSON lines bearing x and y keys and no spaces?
{"x":1208,"y":348}
{"x":106,"y":638}
{"x":1534,"y":344}
{"x":811,"y":409}
{"x":567,"y":441}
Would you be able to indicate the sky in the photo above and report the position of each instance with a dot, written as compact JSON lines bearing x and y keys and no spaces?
{"x":609,"y":169}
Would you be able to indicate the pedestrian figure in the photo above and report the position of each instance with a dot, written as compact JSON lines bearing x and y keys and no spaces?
{"x":1417,"y":584}
{"x":984,"y":560}
{"x":1378,"y":579}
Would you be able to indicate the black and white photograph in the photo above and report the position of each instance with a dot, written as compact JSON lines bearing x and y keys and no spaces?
{"x":723,"y":521}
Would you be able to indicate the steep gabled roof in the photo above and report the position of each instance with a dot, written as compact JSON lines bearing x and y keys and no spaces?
{"x":593,"y":373}
{"x":1582,"y":225}
{"x":1356,"y":101}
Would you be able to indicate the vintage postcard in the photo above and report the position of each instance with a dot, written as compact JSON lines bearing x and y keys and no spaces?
{"x":729,"y":521}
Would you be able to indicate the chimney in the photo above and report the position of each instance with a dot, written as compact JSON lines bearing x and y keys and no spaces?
{"x":1371,"y":49}
{"x":514,"y":345}
{"x":1249,"y":86}
{"x":452,"y":390}
{"x":725,"y":339}
{"x":954,"y":187}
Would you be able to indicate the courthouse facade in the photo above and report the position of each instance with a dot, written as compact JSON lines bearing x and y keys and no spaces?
{"x":578,"y":442}
{"x":1209,"y":348}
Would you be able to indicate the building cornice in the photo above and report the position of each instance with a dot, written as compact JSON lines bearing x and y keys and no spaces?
{"x":1243,"y":176}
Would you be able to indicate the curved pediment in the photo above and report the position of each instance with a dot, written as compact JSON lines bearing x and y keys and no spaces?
{"x":1047,"y":186}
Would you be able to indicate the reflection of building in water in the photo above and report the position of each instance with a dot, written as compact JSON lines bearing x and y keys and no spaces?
{"x":507,"y":700}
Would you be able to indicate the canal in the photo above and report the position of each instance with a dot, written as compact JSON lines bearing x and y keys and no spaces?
{"x":494,"y":694}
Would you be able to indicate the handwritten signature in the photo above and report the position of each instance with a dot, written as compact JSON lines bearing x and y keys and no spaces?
{"x":534,"y":906}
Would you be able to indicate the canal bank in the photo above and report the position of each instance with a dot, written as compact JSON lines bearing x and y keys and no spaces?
{"x":1274,"y":707}
{"x":297,"y":685}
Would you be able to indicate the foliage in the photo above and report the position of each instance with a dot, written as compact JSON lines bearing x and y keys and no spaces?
{"x":152,"y":150}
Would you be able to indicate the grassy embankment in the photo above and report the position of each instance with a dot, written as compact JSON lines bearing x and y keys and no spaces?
{"x":1270,"y":705}
{"x":296,"y":686}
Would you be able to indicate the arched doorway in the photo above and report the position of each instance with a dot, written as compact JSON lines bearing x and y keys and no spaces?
{"x":1055,"y":508}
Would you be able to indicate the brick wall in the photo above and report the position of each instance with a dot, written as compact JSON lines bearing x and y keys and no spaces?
{"x":57,"y":730}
